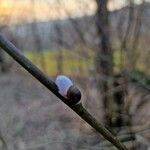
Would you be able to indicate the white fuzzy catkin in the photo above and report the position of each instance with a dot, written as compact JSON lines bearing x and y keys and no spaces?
{"x":63,"y":83}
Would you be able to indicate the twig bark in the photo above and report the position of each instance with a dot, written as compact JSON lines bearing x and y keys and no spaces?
{"x":14,"y":52}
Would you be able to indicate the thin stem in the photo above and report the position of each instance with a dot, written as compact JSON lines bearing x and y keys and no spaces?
{"x":47,"y":82}
{"x":85,"y":115}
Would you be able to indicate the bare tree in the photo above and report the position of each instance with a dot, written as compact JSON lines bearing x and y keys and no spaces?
{"x":37,"y":39}
{"x":4,"y":21}
{"x":129,"y":26}
{"x":136,"y":35}
{"x":60,"y":52}
{"x":104,"y":60}
{"x":113,"y":101}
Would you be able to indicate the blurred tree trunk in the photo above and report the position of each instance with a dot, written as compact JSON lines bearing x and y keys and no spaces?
{"x":104,"y":59}
{"x":136,"y":36}
{"x":129,"y":26}
{"x":2,"y":59}
{"x":2,"y":62}
{"x":104,"y":62}
{"x":37,"y":39}
{"x":59,"y":41}
{"x":38,"y":45}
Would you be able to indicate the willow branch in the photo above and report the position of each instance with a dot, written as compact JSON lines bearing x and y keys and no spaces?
{"x":14,"y":52}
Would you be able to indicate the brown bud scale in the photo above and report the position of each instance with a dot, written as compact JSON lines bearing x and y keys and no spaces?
{"x":74,"y":95}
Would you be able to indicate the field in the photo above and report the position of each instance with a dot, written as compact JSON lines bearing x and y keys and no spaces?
{"x":73,"y":63}
{"x":32,"y":118}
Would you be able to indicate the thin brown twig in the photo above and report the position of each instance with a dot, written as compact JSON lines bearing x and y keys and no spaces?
{"x":14,"y":52}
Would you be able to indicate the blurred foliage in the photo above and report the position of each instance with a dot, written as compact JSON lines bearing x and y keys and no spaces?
{"x":72,"y":64}
{"x":139,"y":76}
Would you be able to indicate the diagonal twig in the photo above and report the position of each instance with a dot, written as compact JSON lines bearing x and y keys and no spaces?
{"x":14,"y":52}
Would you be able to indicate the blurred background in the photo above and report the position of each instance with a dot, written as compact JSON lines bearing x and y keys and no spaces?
{"x":103,"y":46}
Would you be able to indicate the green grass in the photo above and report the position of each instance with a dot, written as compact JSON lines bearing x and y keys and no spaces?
{"x":73,"y":63}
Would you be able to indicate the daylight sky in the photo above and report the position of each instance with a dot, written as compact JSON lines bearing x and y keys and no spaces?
{"x":26,"y":10}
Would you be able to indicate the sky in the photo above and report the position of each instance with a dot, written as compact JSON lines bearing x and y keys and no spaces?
{"x":26,"y":10}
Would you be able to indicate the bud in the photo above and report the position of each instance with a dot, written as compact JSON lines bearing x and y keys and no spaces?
{"x":74,"y":94}
{"x":63,"y":83}
{"x":67,"y":89}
